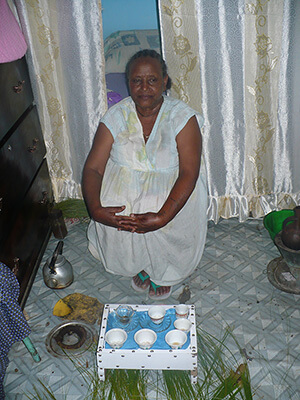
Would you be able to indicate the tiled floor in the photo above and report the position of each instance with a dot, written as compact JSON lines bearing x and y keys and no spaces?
{"x":230,"y":287}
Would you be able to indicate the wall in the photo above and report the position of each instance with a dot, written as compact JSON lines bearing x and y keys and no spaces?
{"x":128,"y":14}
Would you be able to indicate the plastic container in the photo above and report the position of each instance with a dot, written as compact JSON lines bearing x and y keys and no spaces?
{"x":274,"y":220}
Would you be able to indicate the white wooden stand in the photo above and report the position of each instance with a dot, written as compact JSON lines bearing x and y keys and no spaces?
{"x":159,"y":359}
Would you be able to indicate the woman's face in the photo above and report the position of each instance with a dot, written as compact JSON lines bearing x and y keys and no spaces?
{"x":146,"y":83}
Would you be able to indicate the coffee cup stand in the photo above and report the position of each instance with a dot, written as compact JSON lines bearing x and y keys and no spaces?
{"x":153,"y":359}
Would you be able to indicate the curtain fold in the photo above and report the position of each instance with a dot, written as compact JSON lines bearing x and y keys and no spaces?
{"x":246,"y":59}
{"x":179,"y":37}
{"x":66,"y":64}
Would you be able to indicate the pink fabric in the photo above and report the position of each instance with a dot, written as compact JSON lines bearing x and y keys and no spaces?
{"x":12,"y":42}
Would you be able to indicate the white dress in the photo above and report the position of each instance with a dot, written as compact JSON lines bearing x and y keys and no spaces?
{"x":141,"y":176}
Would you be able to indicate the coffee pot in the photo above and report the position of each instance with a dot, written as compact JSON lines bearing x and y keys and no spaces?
{"x":290,"y":234}
{"x":57,"y":271}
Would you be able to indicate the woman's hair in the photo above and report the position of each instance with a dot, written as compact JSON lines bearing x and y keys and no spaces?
{"x":148,"y":53}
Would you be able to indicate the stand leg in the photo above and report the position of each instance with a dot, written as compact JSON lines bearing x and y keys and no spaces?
{"x":194,"y":375}
{"x":101,"y":374}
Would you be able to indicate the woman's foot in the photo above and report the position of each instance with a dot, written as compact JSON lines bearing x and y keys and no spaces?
{"x":157,"y":292}
{"x":140,"y":282}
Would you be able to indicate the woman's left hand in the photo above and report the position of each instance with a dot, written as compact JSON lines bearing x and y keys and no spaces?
{"x":142,"y":223}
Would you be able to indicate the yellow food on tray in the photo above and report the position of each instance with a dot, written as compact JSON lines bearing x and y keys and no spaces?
{"x":61,"y":309}
{"x":77,"y":306}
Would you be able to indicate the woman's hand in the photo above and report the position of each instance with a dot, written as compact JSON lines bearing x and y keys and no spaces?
{"x":142,"y":223}
{"x":108,"y":216}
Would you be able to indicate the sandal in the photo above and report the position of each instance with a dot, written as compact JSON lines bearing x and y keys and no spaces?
{"x":143,"y":278}
{"x":157,"y":296}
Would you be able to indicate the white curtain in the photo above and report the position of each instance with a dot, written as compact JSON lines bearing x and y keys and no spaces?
{"x":66,"y":63}
{"x":238,"y":63}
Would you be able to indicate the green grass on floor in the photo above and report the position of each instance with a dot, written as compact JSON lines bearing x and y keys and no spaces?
{"x":73,"y":208}
{"x":220,"y":377}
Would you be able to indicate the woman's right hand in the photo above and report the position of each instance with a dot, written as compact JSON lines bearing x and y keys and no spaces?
{"x":107,"y":215}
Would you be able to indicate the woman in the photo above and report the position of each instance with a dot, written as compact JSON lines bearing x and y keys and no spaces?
{"x":142,"y":186}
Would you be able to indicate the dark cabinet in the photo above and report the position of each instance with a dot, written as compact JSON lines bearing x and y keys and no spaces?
{"x":15,"y":95}
{"x":25,"y":187}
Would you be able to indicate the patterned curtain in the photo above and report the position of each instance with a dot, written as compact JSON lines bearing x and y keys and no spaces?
{"x":180,"y":43}
{"x":66,"y":62}
{"x":236,"y":61}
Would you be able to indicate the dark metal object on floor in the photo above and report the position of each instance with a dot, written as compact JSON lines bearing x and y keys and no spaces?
{"x":284,"y":271}
{"x":290,"y":234}
{"x":72,"y":338}
{"x":280,"y":277}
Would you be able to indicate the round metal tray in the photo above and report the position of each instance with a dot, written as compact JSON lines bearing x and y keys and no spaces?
{"x":71,"y":338}
{"x":280,"y":276}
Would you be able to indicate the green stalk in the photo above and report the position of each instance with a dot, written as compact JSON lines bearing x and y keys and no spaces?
{"x":45,"y":394}
{"x":178,"y":385}
{"x":218,"y":379}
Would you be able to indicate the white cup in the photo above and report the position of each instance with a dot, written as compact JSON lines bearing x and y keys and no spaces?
{"x":182,"y":311}
{"x":145,"y":338}
{"x":116,"y":338}
{"x":183,"y":324}
{"x":176,"y":338}
{"x":157,"y":314}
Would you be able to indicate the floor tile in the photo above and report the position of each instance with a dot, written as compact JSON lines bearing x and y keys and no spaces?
{"x":230,"y":289}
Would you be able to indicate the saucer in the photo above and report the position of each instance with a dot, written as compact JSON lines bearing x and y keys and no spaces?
{"x":146,"y":322}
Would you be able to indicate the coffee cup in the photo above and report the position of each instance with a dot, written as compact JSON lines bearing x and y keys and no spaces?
{"x":182,"y":311}
{"x":157,"y":314}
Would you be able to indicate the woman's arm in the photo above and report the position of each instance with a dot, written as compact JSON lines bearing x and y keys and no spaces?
{"x":189,"y":144}
{"x":92,"y":179}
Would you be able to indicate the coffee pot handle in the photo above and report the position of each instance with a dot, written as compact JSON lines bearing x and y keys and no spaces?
{"x":57,"y":251}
